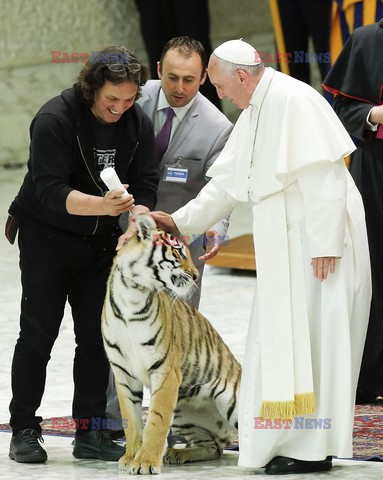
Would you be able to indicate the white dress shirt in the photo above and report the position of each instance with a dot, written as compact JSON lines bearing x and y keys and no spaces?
{"x":159,"y":117}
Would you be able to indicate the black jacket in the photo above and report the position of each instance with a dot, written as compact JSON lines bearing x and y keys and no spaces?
{"x":61,"y":159}
{"x":358,"y":71}
{"x":357,"y":81}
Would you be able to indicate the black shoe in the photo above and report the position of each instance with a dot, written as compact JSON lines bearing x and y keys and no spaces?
{"x":233,"y":447}
{"x":116,"y":434}
{"x":175,"y":439}
{"x":285,"y":466}
{"x":365,"y":397}
{"x":97,"y":444}
{"x":25,"y":447}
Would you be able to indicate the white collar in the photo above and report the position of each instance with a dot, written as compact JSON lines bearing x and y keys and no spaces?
{"x":261,"y":88}
{"x":179,"y":111}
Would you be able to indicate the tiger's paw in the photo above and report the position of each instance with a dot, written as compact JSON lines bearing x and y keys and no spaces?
{"x":175,"y":456}
{"x":124,"y":462}
{"x":144,"y":467}
{"x":145,"y":463}
{"x":191,"y":454}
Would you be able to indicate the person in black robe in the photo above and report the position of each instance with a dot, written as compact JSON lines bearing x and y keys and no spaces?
{"x":295,"y":23}
{"x":161,"y":20}
{"x":357,"y":81}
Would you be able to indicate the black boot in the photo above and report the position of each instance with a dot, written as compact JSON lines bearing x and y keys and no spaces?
{"x":97,"y":444}
{"x":25,"y":447}
{"x":286,"y":465}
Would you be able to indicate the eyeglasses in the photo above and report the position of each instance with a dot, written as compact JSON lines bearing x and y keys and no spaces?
{"x":122,"y":70}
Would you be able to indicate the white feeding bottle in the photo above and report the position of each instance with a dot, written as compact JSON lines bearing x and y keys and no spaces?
{"x":111,"y":180}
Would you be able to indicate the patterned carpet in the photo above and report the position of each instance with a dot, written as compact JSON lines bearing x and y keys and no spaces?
{"x":367,"y":439}
{"x":368,"y":432}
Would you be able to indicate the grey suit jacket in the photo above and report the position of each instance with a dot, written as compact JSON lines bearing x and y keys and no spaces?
{"x":195,"y":145}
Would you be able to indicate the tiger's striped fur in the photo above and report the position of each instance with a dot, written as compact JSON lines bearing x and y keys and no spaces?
{"x":153,"y":338}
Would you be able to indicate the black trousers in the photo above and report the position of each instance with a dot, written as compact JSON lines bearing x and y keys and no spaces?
{"x":302,"y":19}
{"x":57,"y":266}
{"x":161,"y":20}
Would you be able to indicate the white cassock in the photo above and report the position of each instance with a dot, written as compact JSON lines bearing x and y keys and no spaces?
{"x":306,"y":337}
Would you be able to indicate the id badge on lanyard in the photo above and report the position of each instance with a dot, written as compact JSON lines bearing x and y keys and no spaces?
{"x":176,"y":173}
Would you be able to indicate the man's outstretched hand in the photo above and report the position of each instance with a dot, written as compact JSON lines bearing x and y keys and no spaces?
{"x":213,"y":244}
{"x":164,"y":221}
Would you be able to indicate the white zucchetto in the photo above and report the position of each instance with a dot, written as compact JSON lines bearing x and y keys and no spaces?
{"x":239,"y":52}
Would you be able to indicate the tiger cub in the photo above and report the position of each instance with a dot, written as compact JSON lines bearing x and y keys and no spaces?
{"x":153,"y":338}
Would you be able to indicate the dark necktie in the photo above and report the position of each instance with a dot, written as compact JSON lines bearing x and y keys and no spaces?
{"x":162,"y":139}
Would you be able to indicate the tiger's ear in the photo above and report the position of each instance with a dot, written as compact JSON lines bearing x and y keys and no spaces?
{"x":145,"y":226}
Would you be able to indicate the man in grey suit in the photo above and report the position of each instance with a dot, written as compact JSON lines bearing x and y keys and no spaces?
{"x":198,"y":133}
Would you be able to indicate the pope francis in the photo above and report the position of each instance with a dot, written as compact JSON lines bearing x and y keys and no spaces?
{"x":310,"y":312}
